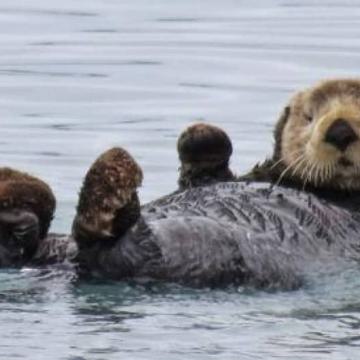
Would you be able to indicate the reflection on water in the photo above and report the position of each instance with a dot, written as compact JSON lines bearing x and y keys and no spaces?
{"x":80,"y":76}
{"x":56,"y":316}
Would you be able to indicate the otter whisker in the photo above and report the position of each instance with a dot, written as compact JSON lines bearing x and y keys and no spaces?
{"x":309,"y":169}
{"x":321,"y":172}
{"x":283,"y":174}
{"x":277,"y":163}
{"x":327,"y":172}
{"x":300,"y":163}
{"x":306,"y":167}
{"x":331,"y":170}
{"x":305,"y":171}
{"x":293,"y":153}
{"x":318,"y":173}
{"x":294,"y":163}
{"x":312,"y":172}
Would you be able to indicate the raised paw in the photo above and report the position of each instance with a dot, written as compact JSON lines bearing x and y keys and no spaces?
{"x":27,"y":206}
{"x":204,"y":151}
{"x":19,"y":233}
{"x":108,"y":202}
{"x":24,"y":192}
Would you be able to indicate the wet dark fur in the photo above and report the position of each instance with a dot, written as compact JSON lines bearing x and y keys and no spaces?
{"x":108,"y":201}
{"x":199,"y":176}
{"x":23,"y":191}
{"x":125,"y":217}
{"x":27,"y":205}
{"x":204,"y":152}
{"x":240,"y":233}
{"x":231,"y":232}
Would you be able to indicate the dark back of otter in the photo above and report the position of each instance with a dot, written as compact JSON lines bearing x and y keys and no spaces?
{"x":233,"y":233}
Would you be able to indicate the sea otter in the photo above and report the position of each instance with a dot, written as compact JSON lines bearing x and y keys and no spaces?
{"x":269,"y":227}
{"x":289,"y":215}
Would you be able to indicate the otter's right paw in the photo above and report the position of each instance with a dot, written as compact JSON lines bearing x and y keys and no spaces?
{"x":19,"y":234}
{"x":108,"y":202}
{"x":24,"y":192}
{"x":204,"y":151}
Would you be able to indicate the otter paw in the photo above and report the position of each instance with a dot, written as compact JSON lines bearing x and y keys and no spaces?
{"x":204,"y":151}
{"x":19,"y":234}
{"x":25,"y":192}
{"x":108,"y":202}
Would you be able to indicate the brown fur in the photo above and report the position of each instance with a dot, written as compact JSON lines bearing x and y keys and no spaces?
{"x":204,"y":151}
{"x":108,"y":190}
{"x":19,"y":190}
{"x":301,"y":157}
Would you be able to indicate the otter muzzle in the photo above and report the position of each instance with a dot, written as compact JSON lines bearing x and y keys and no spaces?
{"x":340,"y":134}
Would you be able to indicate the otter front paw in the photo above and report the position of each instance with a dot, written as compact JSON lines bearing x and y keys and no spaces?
{"x":22,"y":191}
{"x":108,"y":202}
{"x":19,"y":234}
{"x":204,"y":151}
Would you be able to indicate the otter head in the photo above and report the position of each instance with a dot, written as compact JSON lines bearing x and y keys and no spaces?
{"x":318,"y":136}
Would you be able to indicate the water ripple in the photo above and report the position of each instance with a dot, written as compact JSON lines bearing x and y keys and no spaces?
{"x":82,"y":76}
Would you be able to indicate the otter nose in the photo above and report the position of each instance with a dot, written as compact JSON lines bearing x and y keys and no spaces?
{"x":340,"y":134}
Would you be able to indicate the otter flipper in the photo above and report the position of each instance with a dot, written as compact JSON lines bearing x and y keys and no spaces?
{"x":204,"y":151}
{"x":108,"y":201}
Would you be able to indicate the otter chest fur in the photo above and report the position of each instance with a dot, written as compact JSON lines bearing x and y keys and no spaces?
{"x":231,"y":233}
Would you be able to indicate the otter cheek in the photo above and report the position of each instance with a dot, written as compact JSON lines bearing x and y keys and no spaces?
{"x":317,"y":151}
{"x":292,"y":143}
{"x":353,"y":153}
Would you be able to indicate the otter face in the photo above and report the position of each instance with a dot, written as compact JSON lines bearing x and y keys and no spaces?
{"x":320,"y":137}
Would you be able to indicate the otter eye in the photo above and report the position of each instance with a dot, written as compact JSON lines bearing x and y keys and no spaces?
{"x":308,"y":118}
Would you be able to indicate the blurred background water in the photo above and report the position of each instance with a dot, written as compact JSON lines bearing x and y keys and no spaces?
{"x":77,"y":77}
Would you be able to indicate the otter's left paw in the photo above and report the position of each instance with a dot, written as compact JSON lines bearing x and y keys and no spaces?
{"x":108,"y":202}
{"x":204,"y":151}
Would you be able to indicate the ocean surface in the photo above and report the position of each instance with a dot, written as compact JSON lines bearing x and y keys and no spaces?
{"x":78,"y":77}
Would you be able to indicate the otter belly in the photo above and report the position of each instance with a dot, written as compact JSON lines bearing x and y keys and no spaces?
{"x":233,"y":233}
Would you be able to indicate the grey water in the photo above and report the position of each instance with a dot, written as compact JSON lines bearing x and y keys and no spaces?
{"x":77,"y":77}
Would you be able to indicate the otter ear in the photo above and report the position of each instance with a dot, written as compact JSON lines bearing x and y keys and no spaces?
{"x":279,"y":127}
